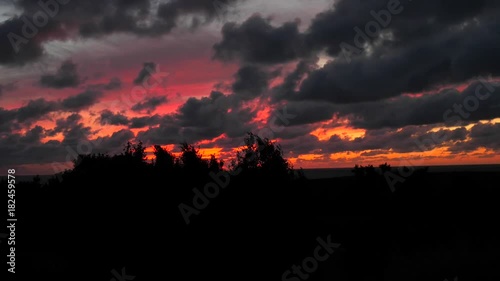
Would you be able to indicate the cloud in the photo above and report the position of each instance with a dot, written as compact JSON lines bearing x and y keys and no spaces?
{"x":250,"y":82}
{"x":307,"y":112}
{"x":422,"y":66}
{"x":144,"y":18}
{"x":149,"y":104}
{"x":481,"y":136}
{"x":403,"y":140}
{"x":293,"y":79}
{"x":201,"y":119}
{"x":420,"y":47}
{"x":63,"y":123}
{"x":114,"y":84}
{"x":407,"y":23}
{"x":449,"y":107}
{"x":35,"y":110}
{"x":7,"y":88}
{"x":114,"y":143}
{"x":17,"y":149}
{"x":166,"y":133}
{"x":96,"y":18}
{"x":146,"y":121}
{"x":38,"y":109}
{"x":257,"y":41}
{"x":209,"y":117}
{"x":81,"y":101}
{"x":16,"y":50}
{"x":109,"y":118}
{"x":65,"y":77}
{"x":28,"y":148}
{"x":7,"y":117}
{"x":117,"y":119}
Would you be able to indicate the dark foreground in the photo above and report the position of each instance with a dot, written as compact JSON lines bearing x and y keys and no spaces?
{"x":432,"y":227}
{"x":121,"y":218}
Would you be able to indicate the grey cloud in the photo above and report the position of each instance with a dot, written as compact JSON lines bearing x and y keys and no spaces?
{"x":149,"y":104}
{"x":251,"y":81}
{"x":109,"y":118}
{"x":81,"y":101}
{"x":257,"y":41}
{"x":65,"y":77}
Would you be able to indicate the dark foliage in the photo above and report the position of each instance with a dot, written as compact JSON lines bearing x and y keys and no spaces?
{"x":254,"y":219}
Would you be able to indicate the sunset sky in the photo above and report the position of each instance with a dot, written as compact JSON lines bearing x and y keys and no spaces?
{"x":336,"y":83}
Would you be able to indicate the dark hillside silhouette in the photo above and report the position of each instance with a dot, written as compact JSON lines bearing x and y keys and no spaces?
{"x":117,"y":208}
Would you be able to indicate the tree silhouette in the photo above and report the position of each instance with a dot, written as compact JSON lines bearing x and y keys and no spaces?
{"x":263,"y":156}
{"x":164,"y":160}
{"x":191,"y":158}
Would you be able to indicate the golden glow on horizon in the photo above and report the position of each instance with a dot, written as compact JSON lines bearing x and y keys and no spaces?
{"x":324,"y":134}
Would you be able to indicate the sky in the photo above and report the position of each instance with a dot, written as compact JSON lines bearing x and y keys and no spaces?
{"x":335,"y":83}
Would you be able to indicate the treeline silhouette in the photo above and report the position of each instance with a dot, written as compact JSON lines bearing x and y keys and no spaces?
{"x":115,"y":211}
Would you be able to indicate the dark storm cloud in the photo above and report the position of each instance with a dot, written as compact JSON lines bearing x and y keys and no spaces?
{"x":65,"y":77}
{"x":422,"y":46}
{"x":308,"y":112}
{"x":95,"y":18}
{"x":81,"y":101}
{"x":109,"y":118}
{"x":209,"y":117}
{"x":257,"y":41}
{"x":149,"y":104}
{"x":141,"y":17}
{"x":35,"y":109}
{"x":250,"y":82}
{"x":408,"y":22}
{"x":199,"y":119}
{"x":481,"y":136}
{"x":142,"y":122}
{"x":63,"y":123}
{"x":423,"y":66}
{"x":20,"y":149}
{"x":38,"y":109}
{"x":291,"y":132}
{"x":293,"y":79}
{"x":76,"y":134}
{"x":26,"y":148}
{"x":204,"y":11}
{"x":7,"y":117}
{"x":15,"y":49}
{"x":448,"y":107}
{"x":408,"y":139}
{"x":114,"y":143}
{"x":166,"y":133}
{"x":479,"y":101}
